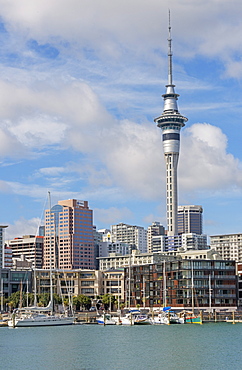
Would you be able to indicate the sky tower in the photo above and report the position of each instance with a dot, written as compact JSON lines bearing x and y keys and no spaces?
{"x":171,"y":122}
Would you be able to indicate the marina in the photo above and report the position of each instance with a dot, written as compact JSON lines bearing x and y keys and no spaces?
{"x":95,"y":347}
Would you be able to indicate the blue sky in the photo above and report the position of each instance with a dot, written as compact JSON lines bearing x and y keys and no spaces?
{"x":80,"y":86}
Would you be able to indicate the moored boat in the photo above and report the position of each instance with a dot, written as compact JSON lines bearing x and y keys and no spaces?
{"x":29,"y":319}
{"x":166,"y":316}
{"x":135,"y":317}
{"x":106,"y":319}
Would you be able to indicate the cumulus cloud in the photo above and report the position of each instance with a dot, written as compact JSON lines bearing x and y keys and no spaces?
{"x":23,"y":227}
{"x":108,"y":28}
{"x":204,"y":161}
{"x":81,"y":83}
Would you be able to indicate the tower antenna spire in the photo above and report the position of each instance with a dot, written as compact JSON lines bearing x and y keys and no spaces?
{"x":169,"y":51}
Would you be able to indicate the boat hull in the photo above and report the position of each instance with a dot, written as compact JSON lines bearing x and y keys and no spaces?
{"x":48,"y":321}
{"x":108,"y":322}
{"x":193,"y":320}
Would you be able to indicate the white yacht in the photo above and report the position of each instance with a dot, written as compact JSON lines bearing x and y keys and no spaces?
{"x":135,"y":317}
{"x":29,"y":318}
{"x":107,"y":319}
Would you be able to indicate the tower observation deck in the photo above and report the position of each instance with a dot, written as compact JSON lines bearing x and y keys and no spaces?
{"x":171,"y":122}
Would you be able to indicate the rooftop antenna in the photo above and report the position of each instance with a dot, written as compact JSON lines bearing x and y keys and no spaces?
{"x":169,"y":51}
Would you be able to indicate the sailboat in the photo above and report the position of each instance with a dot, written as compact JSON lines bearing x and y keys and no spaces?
{"x":40,"y":316}
{"x":191,"y":317}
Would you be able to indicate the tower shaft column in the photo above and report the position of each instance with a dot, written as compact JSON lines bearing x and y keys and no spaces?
{"x":171,"y":193}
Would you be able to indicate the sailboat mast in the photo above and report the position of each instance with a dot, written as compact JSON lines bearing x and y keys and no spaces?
{"x":192,"y":290}
{"x":210,"y":292}
{"x":27,"y":294}
{"x":51,"y":281}
{"x":130,"y":279}
{"x":35,"y":289}
{"x":164,"y":284}
{"x":2,"y":294}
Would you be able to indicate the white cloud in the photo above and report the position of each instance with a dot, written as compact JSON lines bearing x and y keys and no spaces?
{"x":205,"y":163}
{"x":51,"y":171}
{"x":23,"y":227}
{"x":9,"y":144}
{"x":111,"y":216}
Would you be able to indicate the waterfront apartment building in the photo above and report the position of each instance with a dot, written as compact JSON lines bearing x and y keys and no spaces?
{"x":91,"y":283}
{"x":29,"y":246}
{"x":183,"y":284}
{"x":113,"y":283}
{"x":69,"y":241}
{"x":135,"y":236}
{"x":189,"y":219}
{"x":239,"y":272}
{"x":156,"y":229}
{"x":229,"y":246}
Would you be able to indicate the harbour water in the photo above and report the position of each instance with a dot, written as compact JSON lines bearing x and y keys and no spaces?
{"x":94,"y":347}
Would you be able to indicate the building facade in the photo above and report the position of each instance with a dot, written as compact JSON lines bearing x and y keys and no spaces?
{"x":183,"y":284}
{"x":30,"y":246}
{"x":8,"y":257}
{"x":135,"y":236}
{"x":156,"y":229}
{"x":189,"y":219}
{"x":69,"y":241}
{"x":163,"y":243}
{"x":228,"y":246}
{"x":105,"y":248}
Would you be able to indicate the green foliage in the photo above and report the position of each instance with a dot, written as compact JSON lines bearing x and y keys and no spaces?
{"x":57,"y":298}
{"x":84,"y":301}
{"x":106,"y":300}
{"x":13,"y":301}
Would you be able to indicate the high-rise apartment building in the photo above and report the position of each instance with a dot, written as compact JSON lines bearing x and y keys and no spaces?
{"x":189,"y":219}
{"x":155,"y":229}
{"x":228,"y":246}
{"x":69,"y":242}
{"x":186,"y":241}
{"x":105,"y":248}
{"x":135,"y":236}
{"x":29,"y":246}
{"x":171,"y":122}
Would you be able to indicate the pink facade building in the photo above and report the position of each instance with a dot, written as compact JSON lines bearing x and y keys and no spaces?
{"x":69,"y":240}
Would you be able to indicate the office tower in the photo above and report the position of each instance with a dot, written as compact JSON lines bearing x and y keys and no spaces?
{"x":29,"y":246}
{"x":189,"y":219}
{"x":135,"y":236}
{"x":156,"y":229}
{"x":69,"y":236}
{"x":171,"y":122}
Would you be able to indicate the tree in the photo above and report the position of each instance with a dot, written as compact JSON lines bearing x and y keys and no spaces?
{"x":84,"y":301}
{"x":106,"y":298}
